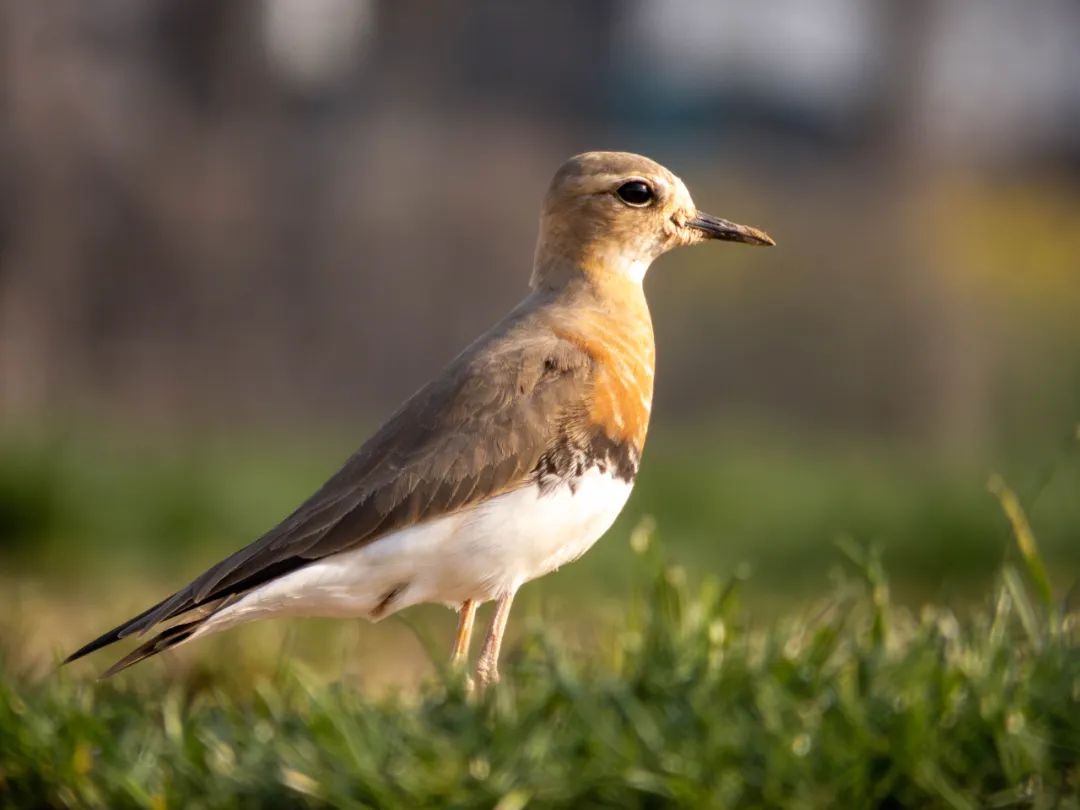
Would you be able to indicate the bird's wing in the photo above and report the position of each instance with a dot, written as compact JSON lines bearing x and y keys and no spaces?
{"x":501,"y":415}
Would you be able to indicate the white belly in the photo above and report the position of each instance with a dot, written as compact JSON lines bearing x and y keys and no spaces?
{"x":477,"y":554}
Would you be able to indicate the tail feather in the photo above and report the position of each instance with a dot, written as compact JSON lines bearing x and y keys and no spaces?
{"x":164,"y":640}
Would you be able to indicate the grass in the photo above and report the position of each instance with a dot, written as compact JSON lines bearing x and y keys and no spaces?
{"x":687,"y":700}
{"x":663,"y":688}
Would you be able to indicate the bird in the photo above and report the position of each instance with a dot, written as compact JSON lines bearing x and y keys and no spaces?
{"x":510,"y":463}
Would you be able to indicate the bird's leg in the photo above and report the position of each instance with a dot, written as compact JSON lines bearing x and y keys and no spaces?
{"x":487,"y":669}
{"x":466,"y":617}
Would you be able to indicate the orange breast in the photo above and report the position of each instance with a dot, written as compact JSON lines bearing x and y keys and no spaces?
{"x":625,"y":355}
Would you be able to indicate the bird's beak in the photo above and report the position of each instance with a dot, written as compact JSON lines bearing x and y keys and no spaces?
{"x":712,"y":227}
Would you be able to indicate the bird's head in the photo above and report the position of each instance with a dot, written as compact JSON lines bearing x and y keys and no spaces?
{"x":614,"y":213}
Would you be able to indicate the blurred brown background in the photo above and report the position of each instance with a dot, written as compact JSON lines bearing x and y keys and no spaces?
{"x":289,"y":210}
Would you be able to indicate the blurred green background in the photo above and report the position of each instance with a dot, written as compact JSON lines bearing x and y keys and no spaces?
{"x":234,"y":236}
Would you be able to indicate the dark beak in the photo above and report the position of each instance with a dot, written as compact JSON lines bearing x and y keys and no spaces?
{"x":716,"y":228}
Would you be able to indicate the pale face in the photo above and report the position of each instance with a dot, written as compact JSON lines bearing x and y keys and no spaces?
{"x":615,"y":212}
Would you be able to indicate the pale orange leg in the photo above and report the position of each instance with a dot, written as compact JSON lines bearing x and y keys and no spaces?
{"x":466,"y":617}
{"x":487,"y":669}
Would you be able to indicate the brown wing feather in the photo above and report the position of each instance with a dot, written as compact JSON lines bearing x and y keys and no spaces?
{"x":481,"y":428}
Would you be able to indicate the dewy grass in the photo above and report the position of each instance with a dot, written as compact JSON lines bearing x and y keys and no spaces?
{"x":855,"y":703}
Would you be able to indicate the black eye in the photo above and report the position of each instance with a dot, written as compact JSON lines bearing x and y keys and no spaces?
{"x":635,"y":193}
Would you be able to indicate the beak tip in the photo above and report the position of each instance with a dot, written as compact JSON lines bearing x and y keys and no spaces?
{"x":716,"y":228}
{"x":750,"y":235}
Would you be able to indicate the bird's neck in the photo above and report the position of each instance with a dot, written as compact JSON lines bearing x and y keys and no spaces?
{"x":560,"y":259}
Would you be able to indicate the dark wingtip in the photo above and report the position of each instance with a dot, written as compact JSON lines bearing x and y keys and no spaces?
{"x":101,"y":641}
{"x":132,"y":625}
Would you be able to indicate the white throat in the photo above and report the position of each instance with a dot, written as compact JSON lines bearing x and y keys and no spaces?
{"x":635,"y":269}
{"x":630,"y":265}
{"x":629,"y":260}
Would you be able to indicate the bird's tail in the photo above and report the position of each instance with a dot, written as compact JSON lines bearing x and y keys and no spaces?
{"x":164,"y":640}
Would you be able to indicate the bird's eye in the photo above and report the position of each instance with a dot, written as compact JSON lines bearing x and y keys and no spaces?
{"x":636,"y":193}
